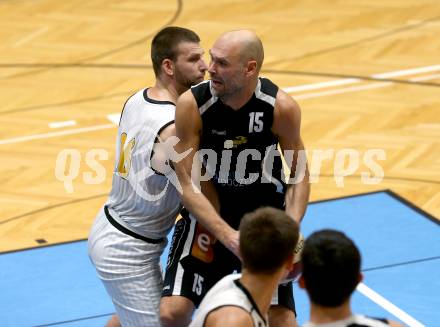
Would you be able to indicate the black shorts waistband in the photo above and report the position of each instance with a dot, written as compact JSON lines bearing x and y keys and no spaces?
{"x":125,"y":230}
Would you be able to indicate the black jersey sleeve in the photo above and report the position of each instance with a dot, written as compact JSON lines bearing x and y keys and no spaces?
{"x":202,"y":93}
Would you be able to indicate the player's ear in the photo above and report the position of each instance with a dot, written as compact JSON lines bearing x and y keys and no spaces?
{"x":251,"y":67}
{"x":360,"y":277}
{"x":168,"y":67}
{"x":287,"y":267}
{"x":289,"y":263}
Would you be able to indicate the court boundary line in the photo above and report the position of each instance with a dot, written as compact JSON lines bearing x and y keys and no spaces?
{"x":74,"y":320}
{"x":414,"y":207}
{"x":401,"y":264}
{"x":388,"y":305}
{"x":53,"y":206}
{"x":343,"y":197}
{"x":363,"y":78}
{"x":54,"y":134}
{"x":391,"y":193}
{"x":43,"y":246}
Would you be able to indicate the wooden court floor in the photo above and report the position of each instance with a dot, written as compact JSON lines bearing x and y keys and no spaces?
{"x":366,"y":74}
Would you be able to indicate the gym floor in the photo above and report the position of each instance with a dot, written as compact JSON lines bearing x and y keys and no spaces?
{"x":366,"y":75}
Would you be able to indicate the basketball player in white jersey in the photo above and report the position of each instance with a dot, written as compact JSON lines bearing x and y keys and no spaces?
{"x":267,"y":240}
{"x":331,"y":266}
{"x":129,"y":233}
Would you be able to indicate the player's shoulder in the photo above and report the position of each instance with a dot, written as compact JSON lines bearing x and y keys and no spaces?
{"x":230,"y":278}
{"x":286,"y":105}
{"x":135,"y":97}
{"x":131,"y":102}
{"x":229,"y":316}
{"x":202,"y":85}
{"x":185,"y":101}
{"x":267,"y":86}
{"x":225,"y":285}
{"x":201,"y":92}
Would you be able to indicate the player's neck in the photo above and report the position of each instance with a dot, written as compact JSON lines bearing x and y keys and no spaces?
{"x":163,"y":91}
{"x":241,"y":97}
{"x":321,"y":315}
{"x":261,"y":288}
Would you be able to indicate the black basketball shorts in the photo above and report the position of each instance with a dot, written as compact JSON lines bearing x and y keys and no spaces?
{"x":197,"y":261}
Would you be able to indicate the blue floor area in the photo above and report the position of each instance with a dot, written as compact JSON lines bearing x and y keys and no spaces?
{"x":49,"y":285}
{"x":57,"y":285}
{"x":400,"y":248}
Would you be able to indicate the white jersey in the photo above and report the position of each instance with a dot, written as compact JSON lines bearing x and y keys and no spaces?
{"x":228,"y":292}
{"x":352,"y":321}
{"x":142,"y":200}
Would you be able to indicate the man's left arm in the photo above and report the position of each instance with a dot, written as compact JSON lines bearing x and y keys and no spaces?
{"x":287,"y":125}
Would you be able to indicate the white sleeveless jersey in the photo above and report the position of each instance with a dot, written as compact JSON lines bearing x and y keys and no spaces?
{"x":228,"y":292}
{"x":141,"y":199}
{"x":353,"y":321}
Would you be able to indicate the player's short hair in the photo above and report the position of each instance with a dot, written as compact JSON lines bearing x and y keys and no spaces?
{"x":267,"y":238}
{"x":331,"y":267}
{"x":165,"y":43}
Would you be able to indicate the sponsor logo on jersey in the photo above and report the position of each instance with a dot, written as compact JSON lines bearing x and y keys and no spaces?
{"x":239,"y":140}
{"x":202,"y":247}
{"x":216,"y":132}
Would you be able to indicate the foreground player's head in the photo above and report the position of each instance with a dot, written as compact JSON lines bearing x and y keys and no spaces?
{"x":244,"y":44}
{"x":176,"y":53}
{"x":331,"y":267}
{"x":236,"y":60}
{"x":267,"y":240}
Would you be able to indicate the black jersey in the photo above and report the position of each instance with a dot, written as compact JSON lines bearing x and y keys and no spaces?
{"x":239,"y":150}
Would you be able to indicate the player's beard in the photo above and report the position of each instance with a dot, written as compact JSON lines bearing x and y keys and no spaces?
{"x":185,"y":81}
{"x":228,"y":89}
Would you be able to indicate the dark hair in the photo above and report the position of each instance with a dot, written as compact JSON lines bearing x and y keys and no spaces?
{"x":165,"y":43}
{"x":268,"y":237}
{"x":331,"y":267}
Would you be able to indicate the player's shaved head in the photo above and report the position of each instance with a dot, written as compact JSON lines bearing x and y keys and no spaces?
{"x":246,"y":44}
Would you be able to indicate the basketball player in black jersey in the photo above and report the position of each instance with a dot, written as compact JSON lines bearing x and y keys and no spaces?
{"x":331,"y":271}
{"x":234,"y":122}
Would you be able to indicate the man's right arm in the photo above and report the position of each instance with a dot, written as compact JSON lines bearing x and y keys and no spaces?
{"x":188,"y":124}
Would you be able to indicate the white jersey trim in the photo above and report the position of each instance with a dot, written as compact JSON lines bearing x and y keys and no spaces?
{"x":263,"y":96}
{"x":210,"y":102}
